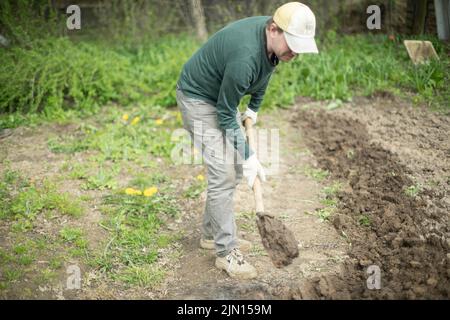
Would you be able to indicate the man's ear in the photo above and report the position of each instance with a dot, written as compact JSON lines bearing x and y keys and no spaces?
{"x":273,"y":29}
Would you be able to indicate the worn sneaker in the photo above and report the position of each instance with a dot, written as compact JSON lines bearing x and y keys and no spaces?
{"x":243,"y":245}
{"x":235,"y":265}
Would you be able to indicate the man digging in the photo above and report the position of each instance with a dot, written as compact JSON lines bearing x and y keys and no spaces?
{"x":236,"y":61}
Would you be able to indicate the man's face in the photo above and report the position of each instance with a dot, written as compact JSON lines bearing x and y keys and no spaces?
{"x":280,"y":46}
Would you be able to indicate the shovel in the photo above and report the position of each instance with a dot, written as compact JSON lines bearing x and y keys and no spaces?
{"x":277,"y":239}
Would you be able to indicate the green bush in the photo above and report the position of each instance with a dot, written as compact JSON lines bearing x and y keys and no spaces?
{"x":55,"y":74}
{"x":24,"y":21}
{"x":359,"y":65}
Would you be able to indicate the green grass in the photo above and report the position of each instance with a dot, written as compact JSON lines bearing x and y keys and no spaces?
{"x":247,"y":221}
{"x":131,"y":252}
{"x":56,"y":262}
{"x":144,"y":276}
{"x":115,"y":139}
{"x":143,"y":181}
{"x":20,"y":249}
{"x":26,"y":202}
{"x":81,"y":77}
{"x":104,"y":178}
{"x":330,"y":193}
{"x":257,"y":251}
{"x":67,"y":145}
{"x":13,"y":262}
{"x":20,"y":255}
{"x":364,"y":221}
{"x":317,"y":174}
{"x":329,"y":198}
{"x":76,"y":171}
{"x":413,"y":191}
{"x":332,"y":190}
{"x":116,"y":143}
{"x":5,"y":257}
{"x":134,"y":223}
{"x":77,"y":246}
{"x":46,"y":275}
{"x":72,"y":235}
{"x":23,"y":199}
{"x":324,"y":214}
{"x":195,"y":189}
{"x":329,"y":202}
{"x":12,"y":275}
{"x":20,"y":261}
{"x":360,"y":65}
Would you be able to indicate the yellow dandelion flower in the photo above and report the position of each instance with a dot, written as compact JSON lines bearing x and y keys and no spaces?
{"x":150,"y":191}
{"x":125,"y":117}
{"x":135,"y":121}
{"x":159,"y":122}
{"x":133,"y":192}
{"x":179,"y":117}
{"x":200,"y":177}
{"x":130,"y":191}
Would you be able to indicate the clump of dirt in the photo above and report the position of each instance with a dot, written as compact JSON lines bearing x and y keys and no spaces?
{"x":278,"y":240}
{"x":387,"y":226}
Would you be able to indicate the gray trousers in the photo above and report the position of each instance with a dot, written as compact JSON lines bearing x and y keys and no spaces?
{"x":200,"y":120}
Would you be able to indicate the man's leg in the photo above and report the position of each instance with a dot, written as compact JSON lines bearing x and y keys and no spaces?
{"x":223,"y":177}
{"x":219,"y":213}
{"x":200,"y":119}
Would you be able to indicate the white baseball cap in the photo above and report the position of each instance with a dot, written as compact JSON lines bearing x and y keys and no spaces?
{"x":299,"y":25}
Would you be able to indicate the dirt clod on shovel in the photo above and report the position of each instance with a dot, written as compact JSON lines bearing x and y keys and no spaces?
{"x":278,"y":240}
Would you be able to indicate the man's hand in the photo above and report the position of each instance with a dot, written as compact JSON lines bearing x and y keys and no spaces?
{"x":252,"y":168}
{"x":249,"y":113}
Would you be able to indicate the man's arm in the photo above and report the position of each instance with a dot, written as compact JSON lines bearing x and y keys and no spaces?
{"x":258,"y":96}
{"x":255,"y":102}
{"x":236,"y":80}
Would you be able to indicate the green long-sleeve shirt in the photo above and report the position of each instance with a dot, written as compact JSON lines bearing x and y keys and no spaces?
{"x":230,"y":65}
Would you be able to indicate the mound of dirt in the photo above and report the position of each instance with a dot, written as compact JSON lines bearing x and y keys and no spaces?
{"x":386,"y":219}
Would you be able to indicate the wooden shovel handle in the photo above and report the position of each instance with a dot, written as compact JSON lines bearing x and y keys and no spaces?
{"x":257,"y":190}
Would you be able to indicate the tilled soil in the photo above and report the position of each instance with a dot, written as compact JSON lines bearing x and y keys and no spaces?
{"x":393,"y":161}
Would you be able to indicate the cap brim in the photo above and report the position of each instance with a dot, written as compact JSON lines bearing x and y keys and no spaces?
{"x":301,"y":44}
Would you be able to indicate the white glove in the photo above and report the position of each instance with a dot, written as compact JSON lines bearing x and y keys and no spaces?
{"x":249,"y":113}
{"x":252,"y":168}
